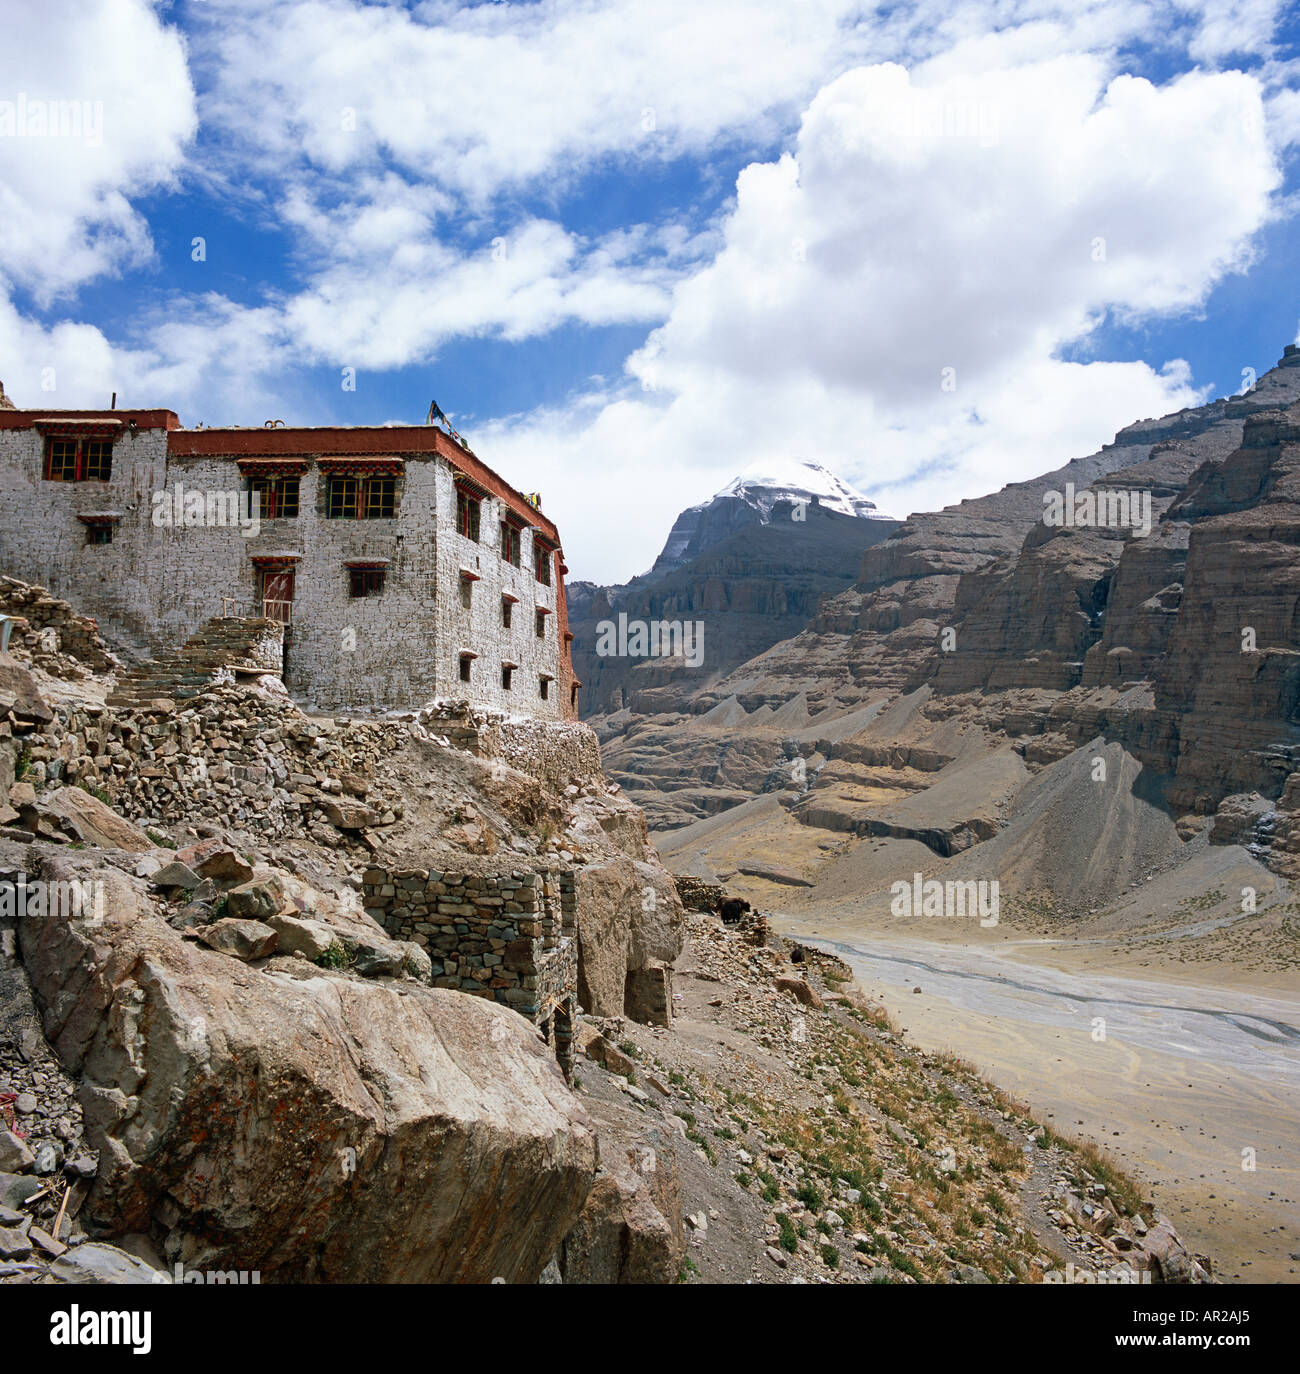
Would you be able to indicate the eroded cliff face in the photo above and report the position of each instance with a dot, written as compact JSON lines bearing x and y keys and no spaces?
{"x":749,"y":577}
{"x":1178,"y":640}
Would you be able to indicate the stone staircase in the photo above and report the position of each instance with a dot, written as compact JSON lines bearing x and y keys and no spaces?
{"x":243,"y":645}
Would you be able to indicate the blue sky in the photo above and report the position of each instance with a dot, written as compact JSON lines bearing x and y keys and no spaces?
{"x":634,"y":249}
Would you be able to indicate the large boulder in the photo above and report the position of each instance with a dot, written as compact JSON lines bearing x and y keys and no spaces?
{"x":98,"y":1263}
{"x":262,"y":896}
{"x":630,"y":929}
{"x":299,"y":1121}
{"x":241,"y":939}
{"x":631,"y":1230}
{"x":92,"y":821}
{"x":606,"y":895}
{"x":20,"y":694}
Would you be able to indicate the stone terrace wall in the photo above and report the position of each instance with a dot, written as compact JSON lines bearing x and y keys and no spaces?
{"x":558,"y":754}
{"x":489,"y":933}
{"x":238,"y":758}
{"x":230,"y":757}
{"x":698,"y":895}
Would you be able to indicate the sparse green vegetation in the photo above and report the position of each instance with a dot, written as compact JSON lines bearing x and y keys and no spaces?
{"x":336,"y":956}
{"x":789,"y":1236}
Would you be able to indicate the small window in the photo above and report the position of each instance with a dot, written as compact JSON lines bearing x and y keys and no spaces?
{"x":507,"y":672}
{"x":78,"y":460}
{"x":465,"y":661}
{"x":507,"y":610}
{"x":99,"y":534}
{"x":277,"y":497}
{"x":573,"y":696}
{"x":366,"y":581}
{"x":541,"y":562}
{"x":467,"y":592}
{"x":510,"y":542}
{"x":467,"y":515}
{"x":544,"y":688}
{"x":539,"y":624}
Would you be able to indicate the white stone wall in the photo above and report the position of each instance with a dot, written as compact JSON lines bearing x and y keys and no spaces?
{"x":479,"y":630}
{"x":153,"y":587}
{"x":42,"y":541}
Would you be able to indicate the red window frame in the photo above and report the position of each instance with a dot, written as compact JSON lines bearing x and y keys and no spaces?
{"x":78,"y":458}
{"x":468,"y":510}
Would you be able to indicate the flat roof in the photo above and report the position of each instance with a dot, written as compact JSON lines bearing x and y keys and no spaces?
{"x":144,"y":419}
{"x":345,"y":441}
{"x":332,"y":441}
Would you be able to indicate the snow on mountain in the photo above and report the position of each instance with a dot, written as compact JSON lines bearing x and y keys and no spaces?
{"x":795,"y":479}
{"x":751,"y":498}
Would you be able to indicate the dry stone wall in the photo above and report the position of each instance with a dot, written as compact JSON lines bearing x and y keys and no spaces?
{"x":560,"y":755}
{"x":53,"y":632}
{"x":508,"y":935}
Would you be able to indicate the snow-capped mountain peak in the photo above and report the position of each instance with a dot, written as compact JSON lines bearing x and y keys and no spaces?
{"x":796,"y":479}
{"x":750,"y":500}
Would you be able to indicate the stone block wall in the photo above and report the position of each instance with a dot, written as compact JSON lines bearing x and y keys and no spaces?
{"x":559,"y":754}
{"x":506,"y":934}
{"x":698,"y":895}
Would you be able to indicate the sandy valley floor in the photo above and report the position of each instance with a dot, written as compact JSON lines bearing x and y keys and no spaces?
{"x":1166,"y":1027}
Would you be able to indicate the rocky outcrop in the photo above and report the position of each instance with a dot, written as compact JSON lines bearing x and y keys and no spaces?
{"x":750,"y":575}
{"x":84,"y":819}
{"x":630,"y":1230}
{"x":300,"y":1121}
{"x":630,"y":929}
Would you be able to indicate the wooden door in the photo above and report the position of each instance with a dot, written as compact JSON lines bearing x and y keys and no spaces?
{"x":277,"y":596}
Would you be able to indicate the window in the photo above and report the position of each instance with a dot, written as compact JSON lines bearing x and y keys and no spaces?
{"x":510,"y":542}
{"x":99,"y":534}
{"x":467,"y":514}
{"x":507,"y":609}
{"x":541,"y":562}
{"x":539,"y":624}
{"x":465,"y":661}
{"x":466,"y":591}
{"x":69,"y":459}
{"x":381,"y":494}
{"x":366,"y":581}
{"x":60,"y":460}
{"x":360,"y":498}
{"x":544,"y":688}
{"x":341,"y":498}
{"x":507,"y":671}
{"x":277,"y":497}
